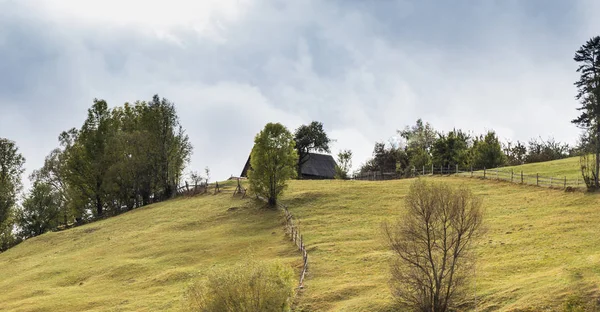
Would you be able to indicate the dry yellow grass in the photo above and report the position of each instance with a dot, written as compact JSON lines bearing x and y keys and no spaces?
{"x":541,"y":244}
{"x":142,"y":260}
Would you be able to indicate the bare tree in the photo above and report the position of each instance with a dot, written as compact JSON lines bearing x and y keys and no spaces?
{"x":431,"y":244}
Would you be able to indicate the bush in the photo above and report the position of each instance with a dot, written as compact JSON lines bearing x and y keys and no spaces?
{"x":248,"y":287}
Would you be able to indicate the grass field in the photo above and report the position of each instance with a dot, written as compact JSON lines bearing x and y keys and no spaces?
{"x":142,"y":260}
{"x":567,"y":167}
{"x":541,"y":246}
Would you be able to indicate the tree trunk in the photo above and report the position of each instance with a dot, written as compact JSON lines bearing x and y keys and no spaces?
{"x":98,"y":206}
{"x":597,"y":168}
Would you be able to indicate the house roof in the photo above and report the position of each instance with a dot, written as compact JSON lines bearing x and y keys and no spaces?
{"x":317,"y":165}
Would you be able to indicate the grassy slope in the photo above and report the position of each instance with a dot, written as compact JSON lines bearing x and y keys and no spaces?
{"x":139,"y":261}
{"x":568,"y":167}
{"x":541,"y":244}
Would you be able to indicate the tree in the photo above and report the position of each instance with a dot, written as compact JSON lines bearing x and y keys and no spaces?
{"x":432,"y":246}
{"x":419,"y":140}
{"x":310,"y":138}
{"x":451,"y":149}
{"x":344,"y":164}
{"x":272,"y":162}
{"x":487,"y":152}
{"x":588,"y":94}
{"x":41,"y":211}
{"x":11,"y":168}
{"x":515,"y":153}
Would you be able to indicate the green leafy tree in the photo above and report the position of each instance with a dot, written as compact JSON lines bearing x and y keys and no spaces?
{"x":53,"y":175}
{"x":11,"y":168}
{"x":487,"y":152}
{"x":419,"y":141}
{"x":41,"y":211}
{"x":451,"y":149}
{"x":310,"y":138}
{"x":588,"y":94}
{"x":273,"y":160}
{"x":344,"y":164}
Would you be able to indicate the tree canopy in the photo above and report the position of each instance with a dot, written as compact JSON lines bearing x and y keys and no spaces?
{"x":273,"y":161}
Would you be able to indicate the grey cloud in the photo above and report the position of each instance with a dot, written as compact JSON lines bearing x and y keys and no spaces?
{"x":363,"y":68}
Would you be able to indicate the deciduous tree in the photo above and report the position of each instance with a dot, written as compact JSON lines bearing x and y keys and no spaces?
{"x":310,"y":138}
{"x":431,"y":243}
{"x":273,"y":161}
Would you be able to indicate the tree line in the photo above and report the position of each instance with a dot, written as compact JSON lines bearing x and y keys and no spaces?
{"x":121,"y":158}
{"x":421,"y":146}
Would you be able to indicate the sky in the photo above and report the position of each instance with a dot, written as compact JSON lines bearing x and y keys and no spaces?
{"x":363,"y":68}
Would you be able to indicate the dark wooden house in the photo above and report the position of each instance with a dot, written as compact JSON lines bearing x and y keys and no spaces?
{"x":318,"y":166}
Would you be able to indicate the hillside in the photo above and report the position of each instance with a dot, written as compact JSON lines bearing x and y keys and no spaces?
{"x":541,"y":245}
{"x":567,"y":167}
{"x":141,"y":260}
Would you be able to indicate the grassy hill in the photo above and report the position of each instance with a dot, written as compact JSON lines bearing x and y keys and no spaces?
{"x":542,"y":246}
{"x":567,"y":167}
{"x":139,"y":261}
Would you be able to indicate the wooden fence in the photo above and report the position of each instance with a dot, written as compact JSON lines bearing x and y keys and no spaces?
{"x":291,"y":227}
{"x":509,"y":175}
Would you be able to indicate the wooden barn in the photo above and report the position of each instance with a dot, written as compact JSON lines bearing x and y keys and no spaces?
{"x":318,"y":166}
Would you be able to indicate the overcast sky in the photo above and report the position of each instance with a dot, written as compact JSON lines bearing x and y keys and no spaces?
{"x":363,"y":68}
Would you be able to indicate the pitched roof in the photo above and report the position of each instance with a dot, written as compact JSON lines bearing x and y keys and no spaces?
{"x":319,"y":165}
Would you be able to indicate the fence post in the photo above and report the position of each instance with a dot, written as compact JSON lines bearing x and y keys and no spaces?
{"x":471,"y":171}
{"x":456,"y":168}
{"x":441,"y":170}
{"x":521,"y":176}
{"x":423,"y":169}
{"x":484,"y":172}
{"x":565,"y":182}
{"x":537,"y":179}
{"x":431,"y":169}
{"x":512,"y":174}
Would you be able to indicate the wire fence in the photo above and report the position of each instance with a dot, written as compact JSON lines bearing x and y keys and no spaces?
{"x":509,"y":175}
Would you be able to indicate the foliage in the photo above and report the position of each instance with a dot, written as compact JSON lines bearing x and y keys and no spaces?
{"x":247,"y":287}
{"x":41,"y":211}
{"x":540,"y":150}
{"x":588,"y":94}
{"x":451,"y":149}
{"x":124,"y":157}
{"x":310,"y":138}
{"x":11,"y":168}
{"x":272,"y":161}
{"x":419,"y":141}
{"x":515,"y":154}
{"x":431,"y":244}
{"x":344,"y":164}
{"x":487,"y":152}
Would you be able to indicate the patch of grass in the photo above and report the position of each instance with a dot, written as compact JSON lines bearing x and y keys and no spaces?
{"x":541,"y":244}
{"x":567,"y":167}
{"x":143,"y":260}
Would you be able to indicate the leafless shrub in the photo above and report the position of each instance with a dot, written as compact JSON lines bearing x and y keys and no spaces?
{"x":431,"y":244}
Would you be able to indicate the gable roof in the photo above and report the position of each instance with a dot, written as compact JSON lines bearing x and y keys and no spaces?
{"x":317,"y":165}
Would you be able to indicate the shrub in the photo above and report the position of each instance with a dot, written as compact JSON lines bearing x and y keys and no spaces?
{"x":247,"y":287}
